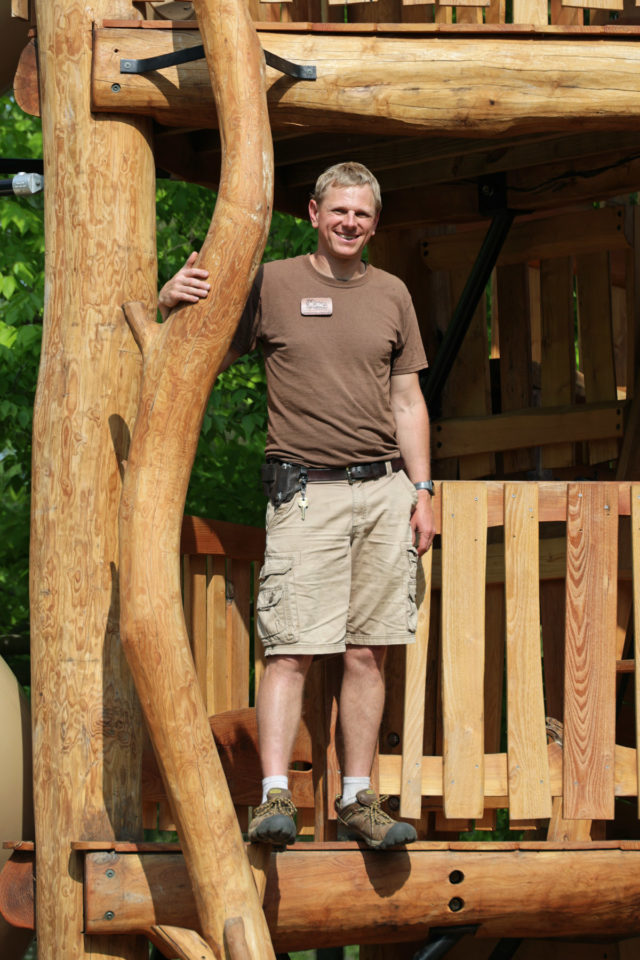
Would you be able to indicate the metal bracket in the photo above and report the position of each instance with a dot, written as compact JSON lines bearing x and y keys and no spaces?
{"x":296,"y":70}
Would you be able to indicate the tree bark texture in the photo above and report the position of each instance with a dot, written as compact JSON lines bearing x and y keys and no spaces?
{"x":180,"y":360}
{"x":100,"y":250}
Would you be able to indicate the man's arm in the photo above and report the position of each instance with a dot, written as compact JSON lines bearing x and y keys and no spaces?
{"x":412,"y":431}
{"x":189,"y":284}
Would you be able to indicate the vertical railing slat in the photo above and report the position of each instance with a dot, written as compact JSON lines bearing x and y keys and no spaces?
{"x":528,"y":765}
{"x":590,"y":656}
{"x":464,"y":556}
{"x":414,"y":698}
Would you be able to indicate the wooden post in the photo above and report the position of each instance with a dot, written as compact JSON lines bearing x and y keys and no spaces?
{"x":100,"y":250}
{"x":181,"y":358}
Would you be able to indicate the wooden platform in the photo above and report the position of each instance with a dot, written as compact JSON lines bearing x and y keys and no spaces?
{"x":324,"y":894}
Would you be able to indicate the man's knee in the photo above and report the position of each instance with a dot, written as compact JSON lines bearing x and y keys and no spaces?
{"x":287,"y":666}
{"x":364,"y":659}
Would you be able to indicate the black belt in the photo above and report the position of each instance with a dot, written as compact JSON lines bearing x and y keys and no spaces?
{"x":357,"y":471}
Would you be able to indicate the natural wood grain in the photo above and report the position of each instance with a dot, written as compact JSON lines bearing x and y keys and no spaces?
{"x":497,"y":86}
{"x":530,"y":11}
{"x":181,"y":358}
{"x":558,"y":357}
{"x":589,"y":694}
{"x":180,"y":942}
{"x":506,"y":886}
{"x":464,"y":540}
{"x":520,"y":429}
{"x":414,"y":698}
{"x":529,"y":789}
{"x":87,"y":728}
{"x":593,"y":277}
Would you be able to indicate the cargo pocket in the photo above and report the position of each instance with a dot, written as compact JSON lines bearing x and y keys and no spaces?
{"x":275,"y":620}
{"x":412,"y":607}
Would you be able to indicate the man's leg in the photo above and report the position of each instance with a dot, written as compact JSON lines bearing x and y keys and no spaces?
{"x":279,"y":709}
{"x":361,"y":705}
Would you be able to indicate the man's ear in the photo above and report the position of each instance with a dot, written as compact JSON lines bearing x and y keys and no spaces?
{"x":313,"y":212}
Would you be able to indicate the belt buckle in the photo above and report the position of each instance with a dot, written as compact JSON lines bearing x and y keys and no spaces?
{"x":351,"y":479}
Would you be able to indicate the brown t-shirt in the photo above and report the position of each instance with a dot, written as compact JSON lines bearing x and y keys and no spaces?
{"x":328,"y":377}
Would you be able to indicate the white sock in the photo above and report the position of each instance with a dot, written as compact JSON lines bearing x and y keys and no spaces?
{"x":269,"y":782}
{"x":352,"y":786}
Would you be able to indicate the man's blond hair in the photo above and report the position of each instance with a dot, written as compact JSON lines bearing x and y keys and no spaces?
{"x":349,"y":174}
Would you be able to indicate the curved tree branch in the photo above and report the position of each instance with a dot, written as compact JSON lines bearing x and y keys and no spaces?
{"x":180,"y":360}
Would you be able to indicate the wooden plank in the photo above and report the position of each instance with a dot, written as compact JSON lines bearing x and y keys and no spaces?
{"x":512,"y":306}
{"x":464,"y":544}
{"x":635,"y":546}
{"x":222,"y":539}
{"x":593,"y":278}
{"x":20,"y":9}
{"x":464,"y":436}
{"x":558,"y":356}
{"x":239,"y":595}
{"x":546,"y":238}
{"x":414,"y":698}
{"x":217,"y":648}
{"x":589,"y":693}
{"x":530,"y":11}
{"x":529,"y":792}
{"x":496,"y":781}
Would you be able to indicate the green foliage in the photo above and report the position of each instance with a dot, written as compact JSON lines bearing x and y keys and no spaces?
{"x":21,"y":299}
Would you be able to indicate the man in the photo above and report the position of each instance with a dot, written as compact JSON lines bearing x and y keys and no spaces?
{"x":342,"y":353}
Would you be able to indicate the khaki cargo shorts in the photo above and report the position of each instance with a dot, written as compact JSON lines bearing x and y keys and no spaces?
{"x":345,"y":574}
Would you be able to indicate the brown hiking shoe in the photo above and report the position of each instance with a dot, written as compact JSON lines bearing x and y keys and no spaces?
{"x":367,"y":821}
{"x":273,"y":821}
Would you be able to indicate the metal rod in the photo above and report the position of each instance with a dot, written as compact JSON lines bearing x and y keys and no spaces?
{"x":436,"y":376}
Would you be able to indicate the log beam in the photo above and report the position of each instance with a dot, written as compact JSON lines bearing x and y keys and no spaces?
{"x":394,"y":84}
{"x":370,"y":898}
{"x":180,"y":360}
{"x":100,"y":250}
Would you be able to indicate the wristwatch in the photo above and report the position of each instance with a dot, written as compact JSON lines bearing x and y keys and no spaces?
{"x":425,"y":485}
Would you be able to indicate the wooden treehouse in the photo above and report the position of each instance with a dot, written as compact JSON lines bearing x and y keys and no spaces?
{"x":505,"y":137}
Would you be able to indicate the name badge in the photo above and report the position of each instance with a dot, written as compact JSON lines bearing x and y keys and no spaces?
{"x":316,"y":306}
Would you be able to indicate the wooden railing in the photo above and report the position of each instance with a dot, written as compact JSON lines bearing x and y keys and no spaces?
{"x":528,"y":582}
{"x":540,"y":12}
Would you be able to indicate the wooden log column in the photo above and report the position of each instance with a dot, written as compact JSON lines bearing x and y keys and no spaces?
{"x":181,"y":358}
{"x":100,"y":250}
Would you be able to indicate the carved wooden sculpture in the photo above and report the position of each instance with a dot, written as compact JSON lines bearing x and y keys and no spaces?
{"x":180,"y":360}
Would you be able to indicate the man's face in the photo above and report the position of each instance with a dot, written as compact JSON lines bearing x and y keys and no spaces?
{"x":346,"y":219}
